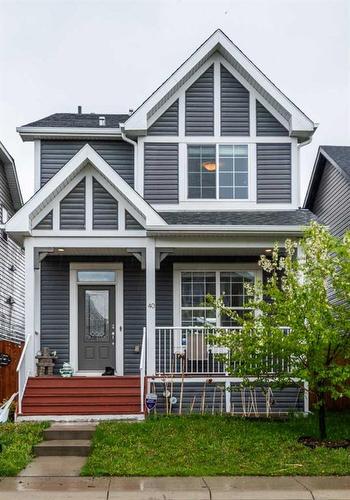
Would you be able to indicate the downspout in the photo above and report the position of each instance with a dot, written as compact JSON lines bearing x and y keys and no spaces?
{"x":134,"y":143}
{"x":300,"y":145}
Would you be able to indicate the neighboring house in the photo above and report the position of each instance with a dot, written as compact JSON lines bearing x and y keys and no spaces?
{"x":328,"y":195}
{"x":137,"y":217}
{"x":11,"y":255}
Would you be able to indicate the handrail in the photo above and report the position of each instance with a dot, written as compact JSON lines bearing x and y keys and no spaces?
{"x":143,"y":369}
{"x":25,"y":347}
{"x":23,"y":373}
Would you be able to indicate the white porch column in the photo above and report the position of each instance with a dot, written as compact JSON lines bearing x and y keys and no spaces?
{"x":151,"y":306}
{"x":29,"y":306}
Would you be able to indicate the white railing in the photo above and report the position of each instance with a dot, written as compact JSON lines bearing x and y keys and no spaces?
{"x":25,"y":368}
{"x":192,"y":350}
{"x":143,"y":369}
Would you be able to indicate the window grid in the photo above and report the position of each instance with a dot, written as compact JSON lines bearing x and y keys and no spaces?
{"x":239,"y":173}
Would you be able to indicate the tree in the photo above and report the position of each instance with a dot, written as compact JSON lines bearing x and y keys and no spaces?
{"x":309,"y":295}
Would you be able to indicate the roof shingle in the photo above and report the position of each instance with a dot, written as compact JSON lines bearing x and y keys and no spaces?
{"x":83,"y":120}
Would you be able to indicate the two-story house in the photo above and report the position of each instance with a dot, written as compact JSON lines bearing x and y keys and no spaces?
{"x":136,"y":218}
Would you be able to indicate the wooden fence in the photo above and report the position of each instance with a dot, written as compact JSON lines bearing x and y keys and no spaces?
{"x":8,"y":375}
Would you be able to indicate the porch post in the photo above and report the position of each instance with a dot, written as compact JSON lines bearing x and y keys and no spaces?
{"x":29,"y":306}
{"x":150,"y":307}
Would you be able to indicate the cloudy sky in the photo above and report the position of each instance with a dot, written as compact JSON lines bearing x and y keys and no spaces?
{"x":109,"y":55}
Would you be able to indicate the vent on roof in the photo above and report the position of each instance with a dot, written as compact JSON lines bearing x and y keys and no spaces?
{"x":131,"y":111}
{"x":102,"y":121}
{"x":79,"y":110}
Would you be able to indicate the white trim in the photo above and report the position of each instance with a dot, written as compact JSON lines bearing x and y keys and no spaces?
{"x":182,"y":114}
{"x":179,"y":268}
{"x":34,"y":133}
{"x":37,"y":164}
{"x":151,"y":307}
{"x":217,"y":97}
{"x":20,"y":222}
{"x":73,"y":312}
{"x":214,"y":139}
{"x":220,"y":42}
{"x":88,"y":201}
{"x":79,"y":418}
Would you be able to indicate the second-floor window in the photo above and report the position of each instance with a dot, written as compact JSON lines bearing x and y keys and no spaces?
{"x":218,"y":172}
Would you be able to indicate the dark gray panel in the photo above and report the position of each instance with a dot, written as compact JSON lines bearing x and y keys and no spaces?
{"x":240,"y":218}
{"x":332,"y":200}
{"x":55,"y":307}
{"x":211,"y":398}
{"x":56,"y":153}
{"x":105,"y":208}
{"x":131,"y":222}
{"x":72,"y":208}
{"x":167,"y":123}
{"x":274,"y":173}
{"x":267,"y":124}
{"x":200,"y":105}
{"x":161,"y":165}
{"x":234,"y":105}
{"x":134,"y":314}
{"x":46,"y":222}
{"x":5,"y":194}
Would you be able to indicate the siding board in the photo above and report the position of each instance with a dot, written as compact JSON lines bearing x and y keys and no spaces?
{"x":105,"y":208}
{"x":161,"y":178}
{"x":46,"y":222}
{"x":167,"y":123}
{"x":56,"y":153}
{"x":274,"y":173}
{"x":199,"y":114}
{"x":234,"y":105}
{"x":267,"y":124}
{"x":131,"y":222}
{"x":72,"y":208}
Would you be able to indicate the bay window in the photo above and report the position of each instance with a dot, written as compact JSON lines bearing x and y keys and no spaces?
{"x":217,"y":172}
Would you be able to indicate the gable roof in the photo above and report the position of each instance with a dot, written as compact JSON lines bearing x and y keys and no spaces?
{"x":338,"y":157}
{"x":11,"y":176}
{"x":299,"y":124}
{"x":21,"y":221}
{"x":88,"y":120}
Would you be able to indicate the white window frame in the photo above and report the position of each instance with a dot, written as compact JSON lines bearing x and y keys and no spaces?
{"x":117,"y":267}
{"x":207,"y":267}
{"x":217,"y":173}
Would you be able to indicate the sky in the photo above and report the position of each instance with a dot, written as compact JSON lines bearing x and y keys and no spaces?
{"x":109,"y":55}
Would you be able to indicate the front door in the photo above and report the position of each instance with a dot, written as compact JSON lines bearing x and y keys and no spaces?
{"x":96,"y":327}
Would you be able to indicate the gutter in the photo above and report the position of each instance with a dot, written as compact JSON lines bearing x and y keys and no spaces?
{"x":133,"y":143}
{"x":181,"y":230}
{"x":31,"y":133}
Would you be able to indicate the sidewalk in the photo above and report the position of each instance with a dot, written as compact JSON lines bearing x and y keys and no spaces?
{"x":175,"y":488}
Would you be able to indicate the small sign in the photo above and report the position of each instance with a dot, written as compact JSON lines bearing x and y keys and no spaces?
{"x":151,"y":400}
{"x":5,"y":359}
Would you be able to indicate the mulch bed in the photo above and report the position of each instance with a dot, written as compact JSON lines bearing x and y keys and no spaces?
{"x":312,"y":442}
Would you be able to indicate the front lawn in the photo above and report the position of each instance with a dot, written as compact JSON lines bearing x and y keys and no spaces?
{"x":16,"y":442}
{"x":214,"y":445}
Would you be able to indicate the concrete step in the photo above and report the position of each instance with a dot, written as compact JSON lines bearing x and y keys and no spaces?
{"x":63,"y":447}
{"x":69,"y":432}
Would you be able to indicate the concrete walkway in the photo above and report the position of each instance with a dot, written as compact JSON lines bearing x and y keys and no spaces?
{"x":176,"y":488}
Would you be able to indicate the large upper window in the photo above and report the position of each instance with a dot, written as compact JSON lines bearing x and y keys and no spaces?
{"x":218,"y":172}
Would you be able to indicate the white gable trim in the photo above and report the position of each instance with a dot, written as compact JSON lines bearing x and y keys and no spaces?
{"x":299,"y":122}
{"x":21,"y":221}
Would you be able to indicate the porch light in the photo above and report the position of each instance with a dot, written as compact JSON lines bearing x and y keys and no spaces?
{"x":60,"y":249}
{"x":209,"y":165}
{"x":268,"y":250}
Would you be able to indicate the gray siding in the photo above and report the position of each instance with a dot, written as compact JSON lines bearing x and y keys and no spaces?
{"x":105,"y":208}
{"x":167,"y":123}
{"x":134,"y":314}
{"x":267,"y":124}
{"x":11,"y":271}
{"x":55,"y":307}
{"x":274,"y":173}
{"x":46,"y":222}
{"x":72,"y":208}
{"x":332,"y":201}
{"x":199,"y":113}
{"x":161,"y":166}
{"x":131,"y":222}
{"x":234,"y":105}
{"x":56,"y":153}
{"x":284,"y":400}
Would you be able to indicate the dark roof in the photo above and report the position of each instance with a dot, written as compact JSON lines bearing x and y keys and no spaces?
{"x":78,"y":120}
{"x":241,"y":218}
{"x":339,"y":157}
{"x":11,"y":177}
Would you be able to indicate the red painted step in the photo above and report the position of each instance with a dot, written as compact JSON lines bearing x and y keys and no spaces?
{"x":82,"y":396}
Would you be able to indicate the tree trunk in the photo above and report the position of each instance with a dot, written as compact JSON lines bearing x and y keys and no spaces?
{"x":322,"y":420}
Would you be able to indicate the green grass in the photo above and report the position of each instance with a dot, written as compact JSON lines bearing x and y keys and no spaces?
{"x":17,"y":441}
{"x":214,"y":445}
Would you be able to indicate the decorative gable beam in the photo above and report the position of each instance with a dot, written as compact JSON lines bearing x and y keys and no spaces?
{"x":140,"y":255}
{"x":162,"y":254}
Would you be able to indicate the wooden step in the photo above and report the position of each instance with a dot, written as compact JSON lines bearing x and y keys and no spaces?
{"x":78,"y":399}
